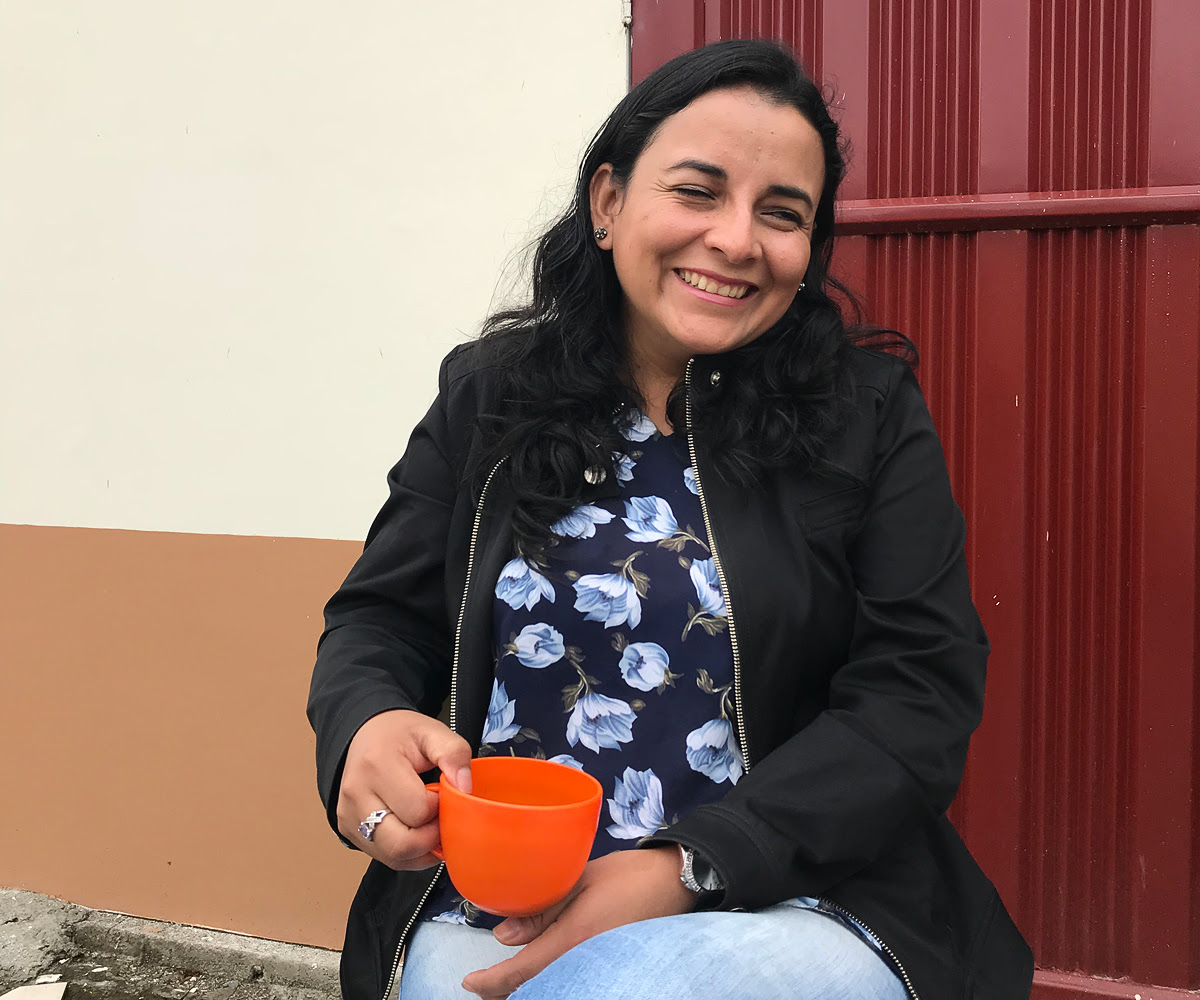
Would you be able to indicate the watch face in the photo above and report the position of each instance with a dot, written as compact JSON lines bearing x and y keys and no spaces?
{"x":705,"y":875}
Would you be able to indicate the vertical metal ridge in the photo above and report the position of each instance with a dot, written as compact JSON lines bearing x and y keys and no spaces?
{"x":796,"y":23}
{"x":1089,"y":114}
{"x":1083,"y":459}
{"x":924,"y":82}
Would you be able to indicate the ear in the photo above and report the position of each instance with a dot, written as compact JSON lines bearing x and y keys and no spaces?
{"x":606,"y":197}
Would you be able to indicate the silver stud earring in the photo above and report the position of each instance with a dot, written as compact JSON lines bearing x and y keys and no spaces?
{"x":600,"y":232}
{"x":802,"y":286}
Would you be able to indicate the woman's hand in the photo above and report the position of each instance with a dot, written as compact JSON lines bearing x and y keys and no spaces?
{"x":382,"y":771}
{"x":616,"y":889}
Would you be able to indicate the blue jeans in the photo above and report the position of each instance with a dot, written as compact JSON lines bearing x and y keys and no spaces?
{"x":785,"y":952}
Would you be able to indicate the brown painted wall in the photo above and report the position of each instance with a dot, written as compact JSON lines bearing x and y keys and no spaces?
{"x":154,"y":755}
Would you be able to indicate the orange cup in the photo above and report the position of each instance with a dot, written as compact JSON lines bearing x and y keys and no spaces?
{"x":520,"y":840}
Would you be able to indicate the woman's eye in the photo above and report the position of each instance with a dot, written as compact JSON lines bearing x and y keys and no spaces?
{"x":787,"y":216}
{"x":694,"y":192}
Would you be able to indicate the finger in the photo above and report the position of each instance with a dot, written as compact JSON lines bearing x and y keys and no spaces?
{"x":406,"y":795}
{"x":404,"y":848}
{"x":522,"y":930}
{"x":392,"y":842}
{"x":445,"y":749}
{"x":505,"y":977}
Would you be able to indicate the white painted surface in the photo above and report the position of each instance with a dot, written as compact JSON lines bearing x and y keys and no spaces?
{"x":236,"y":239}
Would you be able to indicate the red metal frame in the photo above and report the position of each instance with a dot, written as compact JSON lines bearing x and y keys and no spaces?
{"x":1060,"y":338}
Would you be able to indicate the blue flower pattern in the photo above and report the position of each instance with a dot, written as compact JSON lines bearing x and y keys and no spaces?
{"x":537,"y":646}
{"x":649,"y":519}
{"x":608,"y":598}
{"x":501,"y":712}
{"x":581,"y":522}
{"x":520,"y":585}
{"x":636,"y":807}
{"x":613,"y":653}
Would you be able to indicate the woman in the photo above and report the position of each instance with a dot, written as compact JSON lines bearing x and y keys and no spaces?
{"x":675,"y":467}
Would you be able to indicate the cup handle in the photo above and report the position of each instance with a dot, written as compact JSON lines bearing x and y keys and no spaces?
{"x":436,"y":788}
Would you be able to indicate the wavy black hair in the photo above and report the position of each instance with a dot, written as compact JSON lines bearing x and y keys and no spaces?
{"x":562,"y":360}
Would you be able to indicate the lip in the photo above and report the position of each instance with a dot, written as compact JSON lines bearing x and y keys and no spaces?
{"x":721,"y":300}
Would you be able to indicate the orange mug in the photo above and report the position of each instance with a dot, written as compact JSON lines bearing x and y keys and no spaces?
{"x":520,"y":840}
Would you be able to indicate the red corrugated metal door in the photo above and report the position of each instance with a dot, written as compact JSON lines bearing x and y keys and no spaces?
{"x":1024,"y":202}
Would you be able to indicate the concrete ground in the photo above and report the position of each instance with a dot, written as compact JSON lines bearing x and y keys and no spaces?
{"x":108,"y":956}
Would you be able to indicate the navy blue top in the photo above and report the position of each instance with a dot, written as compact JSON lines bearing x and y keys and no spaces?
{"x":613,"y":654}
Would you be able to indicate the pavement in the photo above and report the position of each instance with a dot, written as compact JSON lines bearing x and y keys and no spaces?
{"x":110,"y":956}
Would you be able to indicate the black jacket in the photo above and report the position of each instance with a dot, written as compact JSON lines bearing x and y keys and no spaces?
{"x":859,"y":662}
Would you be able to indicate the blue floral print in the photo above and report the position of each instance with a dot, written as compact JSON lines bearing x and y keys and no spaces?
{"x":649,"y":519}
{"x":450,"y":917}
{"x":636,"y":807}
{"x":598,"y":721}
{"x":501,"y":712}
{"x":713,"y":750}
{"x":581,"y":522}
{"x":610,"y":598}
{"x":646,"y":666}
{"x":639,"y":428}
{"x":711,"y":615}
{"x":624,"y":466}
{"x":708,"y":586}
{"x":537,"y":646}
{"x":522,"y":585}
{"x":624,"y":670}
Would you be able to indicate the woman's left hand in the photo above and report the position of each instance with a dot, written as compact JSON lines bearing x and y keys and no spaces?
{"x":616,"y":889}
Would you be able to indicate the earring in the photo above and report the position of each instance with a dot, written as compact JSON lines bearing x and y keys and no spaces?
{"x":600,"y":232}
{"x":801,"y":286}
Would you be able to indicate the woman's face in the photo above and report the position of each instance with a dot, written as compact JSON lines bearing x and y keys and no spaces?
{"x":711,"y":234}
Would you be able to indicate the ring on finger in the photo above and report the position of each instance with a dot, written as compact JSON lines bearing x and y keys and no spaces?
{"x":366,"y":828}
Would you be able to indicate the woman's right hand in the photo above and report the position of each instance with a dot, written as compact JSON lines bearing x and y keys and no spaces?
{"x":382,"y":771}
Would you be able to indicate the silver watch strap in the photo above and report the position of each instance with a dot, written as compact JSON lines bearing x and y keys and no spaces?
{"x":697,"y":874}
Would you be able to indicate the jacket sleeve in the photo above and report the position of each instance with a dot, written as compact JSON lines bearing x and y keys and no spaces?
{"x":386,"y":643}
{"x":888,"y":752}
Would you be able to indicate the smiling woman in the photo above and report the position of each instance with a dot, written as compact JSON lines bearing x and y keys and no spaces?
{"x":711,"y":233}
{"x":597,"y":551}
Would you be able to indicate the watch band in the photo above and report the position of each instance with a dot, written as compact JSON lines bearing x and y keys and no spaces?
{"x":696,"y":874}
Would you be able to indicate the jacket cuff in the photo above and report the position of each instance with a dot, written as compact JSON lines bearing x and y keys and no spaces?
{"x":731,"y":851}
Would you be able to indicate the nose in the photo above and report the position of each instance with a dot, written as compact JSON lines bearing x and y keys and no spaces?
{"x":732,"y":233}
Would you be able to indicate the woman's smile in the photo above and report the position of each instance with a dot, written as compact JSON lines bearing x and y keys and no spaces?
{"x":715,"y":288}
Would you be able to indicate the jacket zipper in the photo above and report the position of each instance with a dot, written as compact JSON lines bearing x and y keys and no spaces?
{"x":743,"y":738}
{"x":737,"y":664}
{"x":462,"y":612}
{"x":829,"y":904}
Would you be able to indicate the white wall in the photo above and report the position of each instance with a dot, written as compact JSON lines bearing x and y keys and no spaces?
{"x":236,"y":239}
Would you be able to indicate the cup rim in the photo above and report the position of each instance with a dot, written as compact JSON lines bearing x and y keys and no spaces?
{"x":597,"y":789}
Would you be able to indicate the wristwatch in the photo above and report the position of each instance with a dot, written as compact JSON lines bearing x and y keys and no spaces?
{"x":697,"y":874}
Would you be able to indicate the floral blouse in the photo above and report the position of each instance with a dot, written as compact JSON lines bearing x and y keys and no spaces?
{"x":613,"y":654}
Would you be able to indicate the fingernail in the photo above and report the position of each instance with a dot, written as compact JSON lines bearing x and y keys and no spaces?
{"x":463,"y":780}
{"x":504,"y":932}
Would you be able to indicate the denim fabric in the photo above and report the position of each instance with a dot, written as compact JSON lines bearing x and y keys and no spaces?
{"x":786,"y":952}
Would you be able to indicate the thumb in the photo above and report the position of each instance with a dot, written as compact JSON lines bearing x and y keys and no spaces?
{"x":449,"y":752}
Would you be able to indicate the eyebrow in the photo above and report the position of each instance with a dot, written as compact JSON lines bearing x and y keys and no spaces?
{"x":712,"y":170}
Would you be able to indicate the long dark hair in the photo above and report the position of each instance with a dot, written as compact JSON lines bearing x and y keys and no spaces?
{"x":562,"y":359}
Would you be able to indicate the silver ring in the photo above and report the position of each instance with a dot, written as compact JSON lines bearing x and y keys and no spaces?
{"x":366,"y":828}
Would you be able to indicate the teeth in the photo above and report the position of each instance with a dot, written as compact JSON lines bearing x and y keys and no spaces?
{"x":708,"y":285}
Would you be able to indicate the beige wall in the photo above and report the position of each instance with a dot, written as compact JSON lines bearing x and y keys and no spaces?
{"x":235,"y":240}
